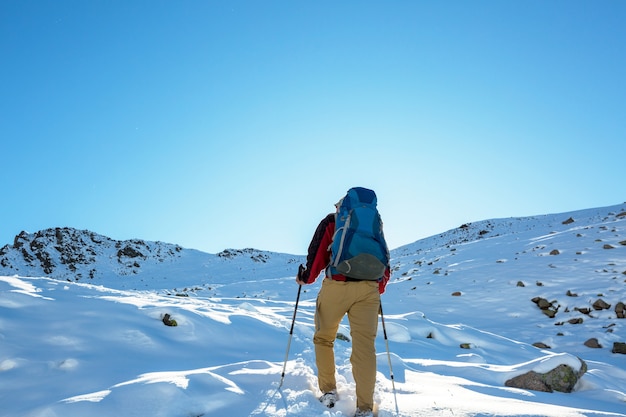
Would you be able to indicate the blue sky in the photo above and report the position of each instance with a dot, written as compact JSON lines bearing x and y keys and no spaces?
{"x":233,"y":124}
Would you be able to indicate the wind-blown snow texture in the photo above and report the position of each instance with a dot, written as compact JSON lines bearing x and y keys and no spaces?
{"x":91,"y":342}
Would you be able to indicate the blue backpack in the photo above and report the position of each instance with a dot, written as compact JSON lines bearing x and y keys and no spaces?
{"x":359,"y":250}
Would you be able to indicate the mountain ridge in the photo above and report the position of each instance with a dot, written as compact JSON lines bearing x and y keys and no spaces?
{"x":70,"y":254}
{"x":74,"y":254}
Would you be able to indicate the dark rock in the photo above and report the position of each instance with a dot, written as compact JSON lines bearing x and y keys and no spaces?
{"x":600,"y":304}
{"x":593,"y":343}
{"x":530,"y":380}
{"x":619,"y":347}
{"x":129,"y":252}
{"x":546,"y":306}
{"x":583,"y":310}
{"x":549,"y":313}
{"x":563,"y":378}
{"x":168,"y":321}
{"x":542,"y":303}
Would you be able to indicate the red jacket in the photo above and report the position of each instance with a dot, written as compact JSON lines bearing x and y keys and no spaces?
{"x":318,"y":256}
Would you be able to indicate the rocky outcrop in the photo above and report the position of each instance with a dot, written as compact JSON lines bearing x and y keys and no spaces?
{"x":254,"y":254}
{"x":67,"y":253}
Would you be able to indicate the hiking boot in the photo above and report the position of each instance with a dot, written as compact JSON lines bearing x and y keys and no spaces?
{"x":364,"y":413}
{"x":329,"y":398}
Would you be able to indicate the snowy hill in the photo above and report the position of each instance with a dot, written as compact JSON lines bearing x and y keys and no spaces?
{"x":460,"y":311}
{"x":84,"y":256}
{"x":495,"y":262}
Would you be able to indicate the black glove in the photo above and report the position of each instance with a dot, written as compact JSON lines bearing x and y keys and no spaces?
{"x":301,"y":270}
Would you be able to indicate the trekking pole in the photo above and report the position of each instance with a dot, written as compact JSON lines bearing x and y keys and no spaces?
{"x":393,"y":384}
{"x":293,"y":321}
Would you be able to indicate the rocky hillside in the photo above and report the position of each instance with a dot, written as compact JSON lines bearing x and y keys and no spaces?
{"x":569,"y":269}
{"x":85,"y":256}
{"x":67,"y":253}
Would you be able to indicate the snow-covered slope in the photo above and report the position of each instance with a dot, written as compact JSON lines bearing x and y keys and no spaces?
{"x":570,"y":259}
{"x":97,"y":345}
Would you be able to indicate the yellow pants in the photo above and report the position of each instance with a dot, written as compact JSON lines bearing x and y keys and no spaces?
{"x":361,"y":301}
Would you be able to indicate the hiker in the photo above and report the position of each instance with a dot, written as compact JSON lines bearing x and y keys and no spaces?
{"x":351,"y":287}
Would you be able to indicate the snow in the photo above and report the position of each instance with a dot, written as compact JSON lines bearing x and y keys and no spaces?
{"x":100,"y":348}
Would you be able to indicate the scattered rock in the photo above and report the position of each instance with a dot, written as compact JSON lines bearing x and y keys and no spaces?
{"x":465,"y":346}
{"x":341,"y":336}
{"x":577,"y":320}
{"x":520,"y":284}
{"x":568,"y":221}
{"x":541,"y":345}
{"x":168,"y":321}
{"x":542,"y":303}
{"x":549,"y":313}
{"x":456,"y":294}
{"x":571,"y":294}
{"x":593,"y":343}
{"x":600,"y":304}
{"x":555,"y":252}
{"x":620,"y":310}
{"x":619,"y":347}
{"x":607,"y":246}
{"x":546,"y":306}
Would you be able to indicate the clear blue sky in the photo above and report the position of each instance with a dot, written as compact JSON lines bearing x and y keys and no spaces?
{"x":233,"y":124}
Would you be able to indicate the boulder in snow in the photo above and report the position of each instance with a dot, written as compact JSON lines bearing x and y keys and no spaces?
{"x":563,"y":378}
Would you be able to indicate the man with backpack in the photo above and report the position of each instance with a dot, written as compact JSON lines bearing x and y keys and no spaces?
{"x":350,"y":247}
